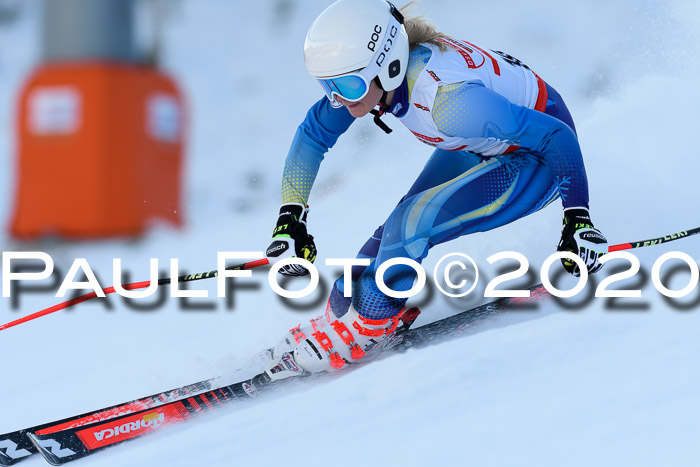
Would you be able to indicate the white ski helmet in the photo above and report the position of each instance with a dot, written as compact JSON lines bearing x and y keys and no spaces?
{"x":362,"y":38}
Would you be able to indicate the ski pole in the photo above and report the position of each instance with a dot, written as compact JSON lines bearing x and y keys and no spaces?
{"x":654,"y":241}
{"x":132,"y":286}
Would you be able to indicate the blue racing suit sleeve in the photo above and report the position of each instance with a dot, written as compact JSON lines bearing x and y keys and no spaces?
{"x":483,"y":113}
{"x":315,"y":136}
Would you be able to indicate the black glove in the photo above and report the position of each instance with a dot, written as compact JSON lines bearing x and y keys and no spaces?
{"x":290,"y":239}
{"x":580,"y":237}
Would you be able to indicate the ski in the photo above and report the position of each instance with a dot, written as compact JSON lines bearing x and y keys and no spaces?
{"x":59,"y":447}
{"x":471,"y":320}
{"x":66,"y":440}
{"x":16,"y":446}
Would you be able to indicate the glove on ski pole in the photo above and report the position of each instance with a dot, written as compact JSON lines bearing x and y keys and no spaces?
{"x":580,"y":237}
{"x":290,"y":239}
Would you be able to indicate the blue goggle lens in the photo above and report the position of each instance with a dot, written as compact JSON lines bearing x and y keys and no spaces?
{"x":349,"y":87}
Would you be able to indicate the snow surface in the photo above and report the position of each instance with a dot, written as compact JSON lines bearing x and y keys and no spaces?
{"x":585,"y":387}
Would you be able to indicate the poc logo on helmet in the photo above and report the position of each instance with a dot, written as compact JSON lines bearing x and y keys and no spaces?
{"x":387,"y":46}
{"x":372,"y":44}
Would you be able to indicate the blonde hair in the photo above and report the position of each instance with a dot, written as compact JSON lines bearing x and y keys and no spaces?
{"x":419,"y":29}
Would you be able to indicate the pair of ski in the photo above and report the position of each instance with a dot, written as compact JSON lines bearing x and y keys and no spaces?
{"x":76,"y":437}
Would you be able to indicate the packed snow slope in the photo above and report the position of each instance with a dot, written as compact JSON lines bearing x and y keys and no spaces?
{"x":577,"y":387}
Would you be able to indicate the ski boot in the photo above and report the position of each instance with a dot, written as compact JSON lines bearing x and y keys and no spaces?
{"x":329,"y":343}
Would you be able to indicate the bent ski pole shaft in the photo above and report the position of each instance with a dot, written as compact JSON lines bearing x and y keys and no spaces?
{"x":654,"y":241}
{"x":132,"y":286}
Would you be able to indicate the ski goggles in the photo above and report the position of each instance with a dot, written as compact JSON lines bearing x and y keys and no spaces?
{"x":352,"y":87}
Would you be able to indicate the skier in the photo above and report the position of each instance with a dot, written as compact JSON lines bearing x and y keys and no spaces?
{"x":505,"y":147}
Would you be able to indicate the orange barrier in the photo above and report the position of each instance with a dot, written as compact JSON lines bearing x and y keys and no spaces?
{"x":100,"y":150}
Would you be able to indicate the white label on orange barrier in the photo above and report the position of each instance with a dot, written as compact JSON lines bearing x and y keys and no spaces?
{"x":54,"y":110}
{"x":163,"y":117}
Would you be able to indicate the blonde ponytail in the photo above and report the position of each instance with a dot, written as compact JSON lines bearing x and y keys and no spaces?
{"x":419,"y":29}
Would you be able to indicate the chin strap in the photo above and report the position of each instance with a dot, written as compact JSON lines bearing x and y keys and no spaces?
{"x":383,"y":107}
